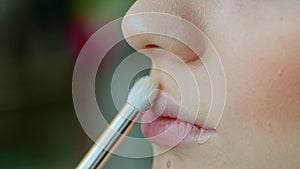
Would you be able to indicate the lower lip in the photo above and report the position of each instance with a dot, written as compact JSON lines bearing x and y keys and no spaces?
{"x":171,"y":132}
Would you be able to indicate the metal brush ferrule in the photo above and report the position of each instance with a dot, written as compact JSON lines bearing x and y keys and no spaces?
{"x":111,"y":138}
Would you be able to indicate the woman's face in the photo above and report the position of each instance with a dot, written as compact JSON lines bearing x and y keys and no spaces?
{"x":259,"y":46}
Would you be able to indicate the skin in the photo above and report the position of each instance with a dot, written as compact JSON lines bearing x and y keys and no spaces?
{"x":258,"y":42}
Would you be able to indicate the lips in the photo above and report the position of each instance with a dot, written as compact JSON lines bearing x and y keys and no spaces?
{"x":168,"y":125}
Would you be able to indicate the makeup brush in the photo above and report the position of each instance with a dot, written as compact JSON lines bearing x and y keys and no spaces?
{"x":139,"y":100}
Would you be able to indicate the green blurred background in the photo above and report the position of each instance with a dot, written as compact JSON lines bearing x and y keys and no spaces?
{"x":39,"y":43}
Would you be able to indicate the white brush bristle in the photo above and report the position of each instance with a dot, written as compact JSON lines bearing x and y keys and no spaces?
{"x":142,"y":93}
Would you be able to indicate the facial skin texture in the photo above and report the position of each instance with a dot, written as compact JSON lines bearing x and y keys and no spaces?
{"x":258,"y":42}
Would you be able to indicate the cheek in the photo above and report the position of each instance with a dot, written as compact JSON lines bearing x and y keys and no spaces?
{"x":263,"y":82}
{"x":262,"y":66}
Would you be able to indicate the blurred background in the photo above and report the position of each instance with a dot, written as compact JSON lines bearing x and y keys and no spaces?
{"x":39,"y":43}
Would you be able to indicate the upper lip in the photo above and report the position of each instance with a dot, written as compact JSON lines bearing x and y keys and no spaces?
{"x":166,"y":106}
{"x":169,"y":124}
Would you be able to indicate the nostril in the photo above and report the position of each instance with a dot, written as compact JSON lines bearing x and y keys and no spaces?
{"x":151,"y":46}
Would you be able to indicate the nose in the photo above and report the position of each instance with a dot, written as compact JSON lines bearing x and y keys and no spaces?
{"x":165,"y":27}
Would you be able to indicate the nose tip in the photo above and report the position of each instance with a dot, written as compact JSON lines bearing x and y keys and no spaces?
{"x":164,"y":31}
